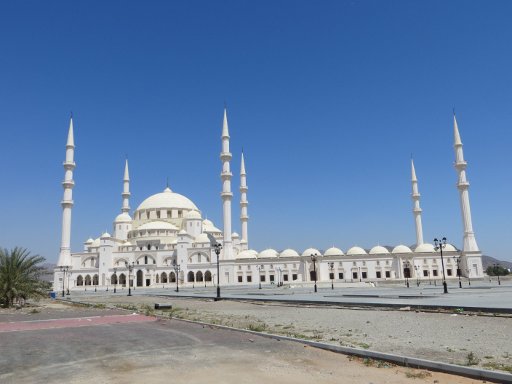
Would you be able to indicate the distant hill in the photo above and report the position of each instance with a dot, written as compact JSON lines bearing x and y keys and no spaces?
{"x":488,"y":261}
{"x":48,"y":276}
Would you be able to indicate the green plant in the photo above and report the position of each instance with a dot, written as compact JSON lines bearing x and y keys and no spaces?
{"x":258,"y":327}
{"x":34,"y":310}
{"x":20,"y":277}
{"x":498,"y":366}
{"x":472,"y":359}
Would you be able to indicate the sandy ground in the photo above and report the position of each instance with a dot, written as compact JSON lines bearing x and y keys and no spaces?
{"x":479,"y":341}
{"x":166,"y":350}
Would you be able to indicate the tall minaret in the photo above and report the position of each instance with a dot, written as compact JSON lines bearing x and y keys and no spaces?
{"x":469,"y":242}
{"x":126,"y":189}
{"x":226,"y":194}
{"x":67,"y":201}
{"x":416,"y":205}
{"x":244,"y":218}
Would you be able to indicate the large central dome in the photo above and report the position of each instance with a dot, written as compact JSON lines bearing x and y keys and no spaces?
{"x":167,"y":199}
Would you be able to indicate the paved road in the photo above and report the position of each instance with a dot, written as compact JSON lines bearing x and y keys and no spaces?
{"x":163,"y":351}
{"x":481,"y":294}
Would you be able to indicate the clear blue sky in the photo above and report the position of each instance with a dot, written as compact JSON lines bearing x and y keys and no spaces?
{"x":327,"y":98}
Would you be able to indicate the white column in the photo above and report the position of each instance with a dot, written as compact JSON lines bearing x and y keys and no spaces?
{"x":226,"y":194}
{"x":67,"y":201}
{"x":126,"y":190}
{"x":469,"y":241}
{"x":416,"y":205}
{"x":244,"y":218}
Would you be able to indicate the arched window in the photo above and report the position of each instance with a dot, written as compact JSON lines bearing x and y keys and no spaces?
{"x":113,"y":279}
{"x":207,"y":276}
{"x":87,"y":280}
{"x":95,"y":280}
{"x":199,"y":276}
{"x":122,"y":279}
{"x":164,"y":278}
{"x":145,"y":257}
{"x":172,"y":277}
{"x":79,"y":280}
{"x":190,"y":277}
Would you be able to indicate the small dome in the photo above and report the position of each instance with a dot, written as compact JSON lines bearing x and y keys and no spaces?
{"x":401,"y":249}
{"x":450,"y":248}
{"x":162,"y":225}
{"x":235,"y":235}
{"x":425,"y":248}
{"x":267,"y":253}
{"x":105,"y":235}
{"x":247,"y":254}
{"x":209,"y":227}
{"x":311,"y":251}
{"x":96,"y":242}
{"x":182,"y":232}
{"x":167,"y":199}
{"x":378,"y":249}
{"x":89,"y":241}
{"x":356,"y":251}
{"x":193,"y":215}
{"x":289,"y":253}
{"x":333,"y":251}
{"x":123,"y":218}
{"x":202,"y":238}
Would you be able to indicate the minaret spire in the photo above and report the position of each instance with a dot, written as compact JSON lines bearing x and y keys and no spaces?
{"x":416,"y":205}
{"x":126,"y":189}
{"x":226,"y":194}
{"x":469,"y":241}
{"x":244,"y":218}
{"x":67,"y":200}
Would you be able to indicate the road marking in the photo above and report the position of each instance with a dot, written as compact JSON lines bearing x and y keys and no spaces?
{"x":33,"y":325}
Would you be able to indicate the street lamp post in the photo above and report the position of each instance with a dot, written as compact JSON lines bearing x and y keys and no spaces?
{"x":313,"y":260}
{"x":331,"y":274}
{"x":218,"y":247}
{"x":130,"y":267}
{"x":457,"y":260}
{"x":439,"y":245}
{"x":64,"y":269}
{"x":177,"y":269}
{"x":469,"y":278}
{"x":407,"y":266}
{"x":497,"y":272}
{"x":115,"y":280}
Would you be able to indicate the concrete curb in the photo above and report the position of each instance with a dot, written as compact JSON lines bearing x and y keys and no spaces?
{"x":412,"y":362}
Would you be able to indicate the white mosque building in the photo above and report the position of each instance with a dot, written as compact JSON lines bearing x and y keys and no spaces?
{"x":166,"y":241}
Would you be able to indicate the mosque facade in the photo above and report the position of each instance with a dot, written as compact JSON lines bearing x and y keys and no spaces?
{"x":166,"y":241}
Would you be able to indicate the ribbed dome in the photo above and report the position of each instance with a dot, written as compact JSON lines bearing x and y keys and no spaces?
{"x":105,"y":235}
{"x":247,"y":254}
{"x":267,"y":253}
{"x":162,"y":225}
{"x":123,"y":218}
{"x":193,"y":215}
{"x":202,"y":238}
{"x":333,"y":251}
{"x":311,"y":251}
{"x":378,"y":249}
{"x":167,"y":200}
{"x":425,"y":248}
{"x":289,"y":253}
{"x":401,"y":249}
{"x":356,"y":251}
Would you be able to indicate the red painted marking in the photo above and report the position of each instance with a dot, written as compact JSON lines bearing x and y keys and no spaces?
{"x":16,"y":326}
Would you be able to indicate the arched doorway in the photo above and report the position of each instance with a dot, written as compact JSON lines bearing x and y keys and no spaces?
{"x":199,"y":276}
{"x":88,"y":280}
{"x":79,"y":280}
{"x":122,"y":279}
{"x":190,"y":277}
{"x":113,"y":279}
{"x":95,"y":279}
{"x":139,"y":278}
{"x":208,"y":276}
{"x":407,"y":273}
{"x":172,"y":277}
{"x":164,"y":278}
